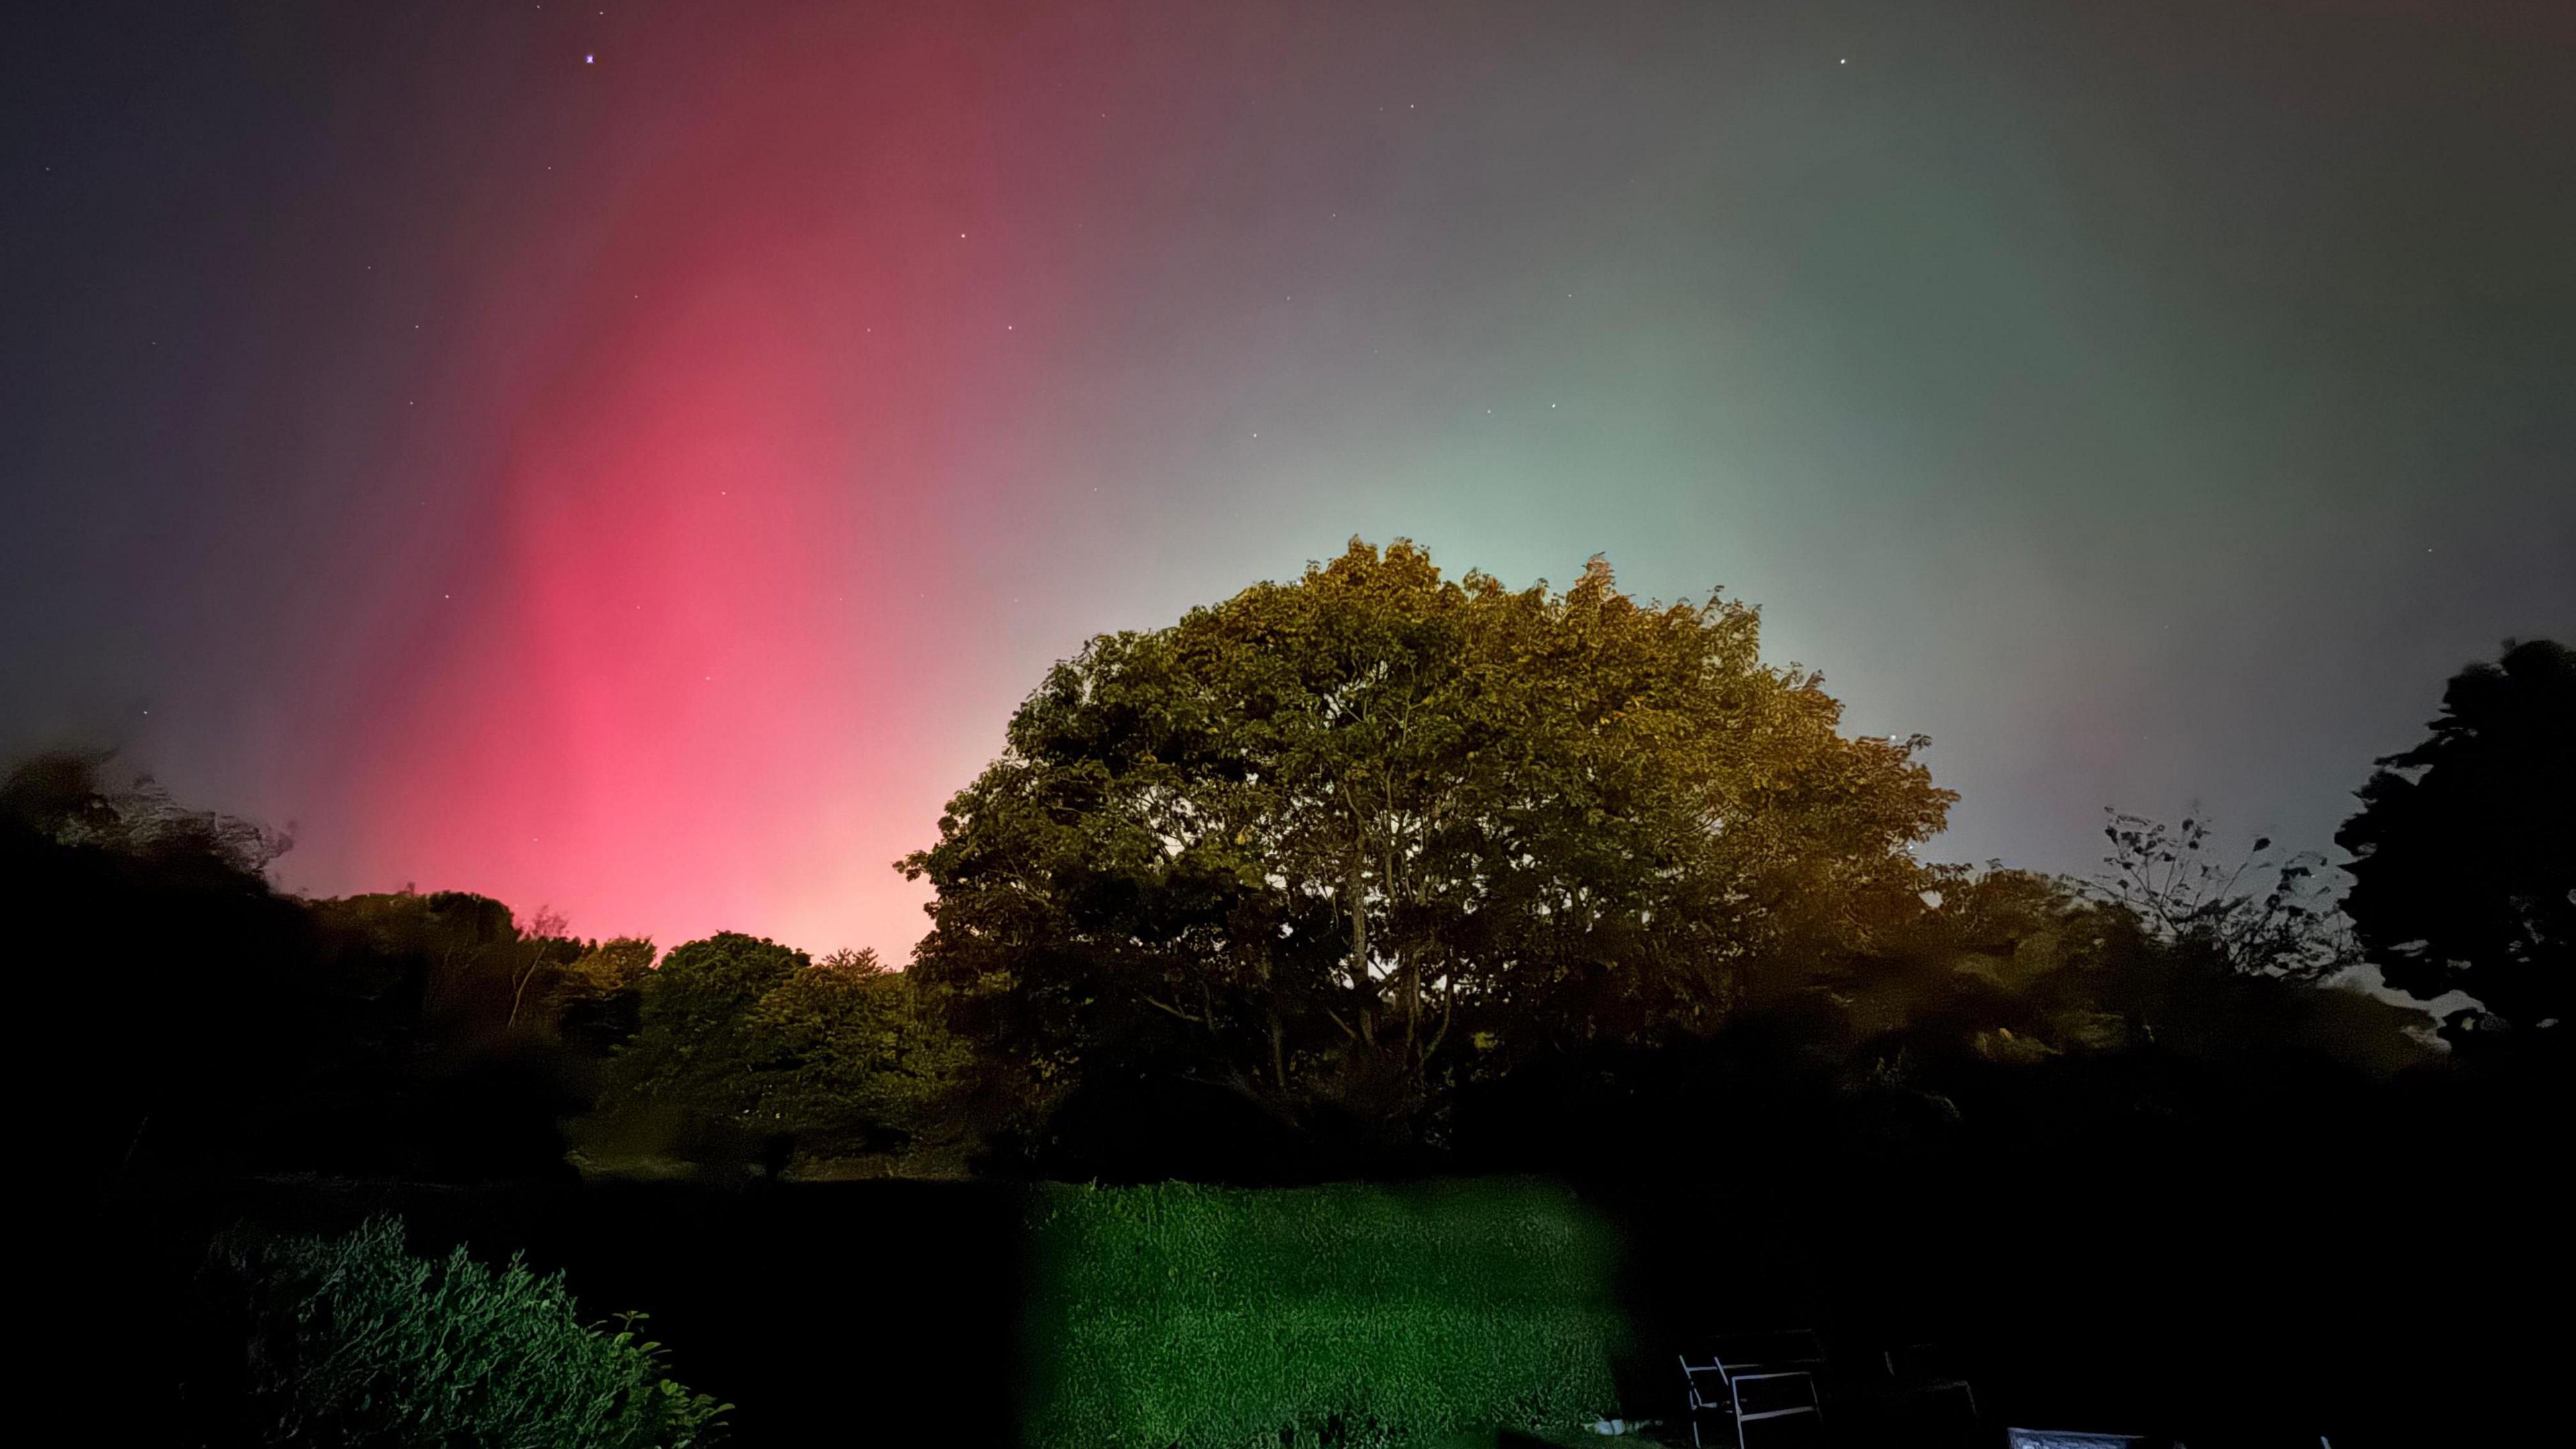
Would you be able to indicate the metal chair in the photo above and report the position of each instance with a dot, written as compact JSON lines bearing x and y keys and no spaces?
{"x":1755,"y":1379}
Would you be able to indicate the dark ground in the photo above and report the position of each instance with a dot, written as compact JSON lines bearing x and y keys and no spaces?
{"x":889,"y":1310}
{"x":881,"y":1311}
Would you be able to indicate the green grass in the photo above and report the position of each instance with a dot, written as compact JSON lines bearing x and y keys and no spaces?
{"x":1183,"y":1317}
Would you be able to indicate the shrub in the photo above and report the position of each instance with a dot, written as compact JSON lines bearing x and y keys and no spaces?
{"x":351,"y":1340}
{"x":1207,"y":1318}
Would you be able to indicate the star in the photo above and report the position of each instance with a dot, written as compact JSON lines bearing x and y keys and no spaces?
{"x":590,"y":60}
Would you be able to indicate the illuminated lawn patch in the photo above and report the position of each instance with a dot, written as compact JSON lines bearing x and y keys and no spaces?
{"x":1184,"y":1317}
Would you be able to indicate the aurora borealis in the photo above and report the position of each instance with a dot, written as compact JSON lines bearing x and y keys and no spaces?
{"x":632,"y":457}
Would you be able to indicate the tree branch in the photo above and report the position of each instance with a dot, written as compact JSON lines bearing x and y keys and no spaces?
{"x":1174,"y":1010}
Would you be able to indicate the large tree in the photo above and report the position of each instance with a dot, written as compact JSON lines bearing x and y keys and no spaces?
{"x":2464,"y":864}
{"x":1343,"y":833}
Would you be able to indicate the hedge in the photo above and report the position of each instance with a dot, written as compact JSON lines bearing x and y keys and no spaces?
{"x":1187,"y":1317}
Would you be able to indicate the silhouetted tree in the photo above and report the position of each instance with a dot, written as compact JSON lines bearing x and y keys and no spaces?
{"x":172,"y":996}
{"x":447,"y":1060}
{"x":2464,"y":850}
{"x":543,"y":946}
{"x":74,"y":798}
{"x":2261,"y":915}
{"x":458,"y":955}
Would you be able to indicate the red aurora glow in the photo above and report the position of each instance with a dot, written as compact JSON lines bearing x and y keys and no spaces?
{"x":660,"y":707}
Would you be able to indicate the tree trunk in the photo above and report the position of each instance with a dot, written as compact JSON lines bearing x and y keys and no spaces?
{"x":1355,"y":887}
{"x":521,"y":990}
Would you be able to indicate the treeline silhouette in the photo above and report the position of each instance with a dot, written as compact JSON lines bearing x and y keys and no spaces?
{"x":425,"y":1036}
{"x":1379,"y":875}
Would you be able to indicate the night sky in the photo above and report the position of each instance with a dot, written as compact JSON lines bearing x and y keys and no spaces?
{"x":633,"y":457}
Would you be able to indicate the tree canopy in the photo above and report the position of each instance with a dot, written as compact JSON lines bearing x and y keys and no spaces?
{"x":1343,"y":833}
{"x":2464,"y":868}
{"x":750,"y":1036}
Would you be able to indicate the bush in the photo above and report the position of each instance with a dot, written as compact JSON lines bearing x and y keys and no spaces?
{"x":351,"y":1341}
{"x":1209,"y":1318}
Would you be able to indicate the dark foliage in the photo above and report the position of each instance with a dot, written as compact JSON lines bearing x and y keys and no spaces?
{"x":2262,"y":915}
{"x":883,"y":1311}
{"x":351,"y":1341}
{"x":2464,"y":862}
{"x":217,"y":1026}
{"x":171,"y":983}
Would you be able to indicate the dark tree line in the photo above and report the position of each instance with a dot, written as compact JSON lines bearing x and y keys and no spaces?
{"x":189,"y":1019}
{"x":1324,"y":877}
{"x":1374,"y":871}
